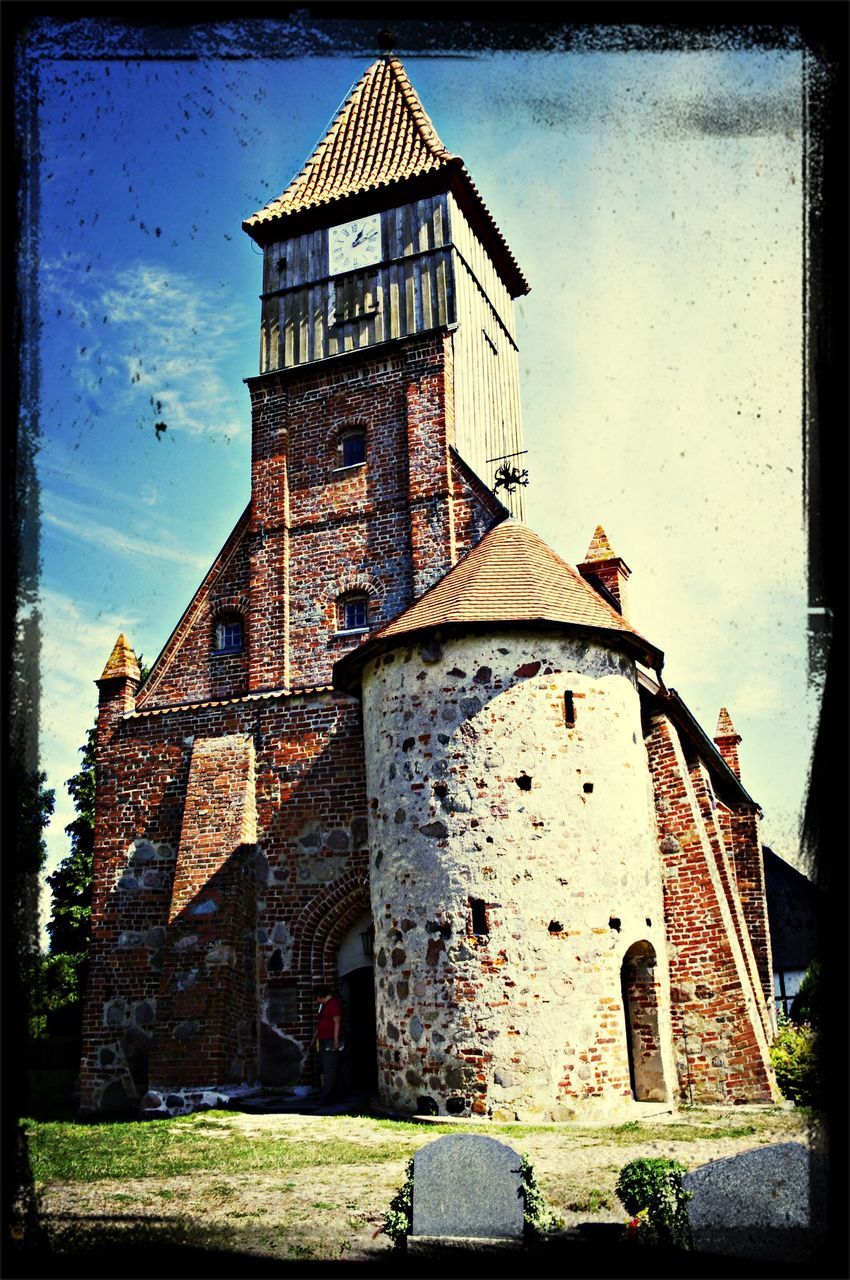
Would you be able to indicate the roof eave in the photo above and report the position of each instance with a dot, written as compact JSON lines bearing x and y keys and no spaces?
{"x":450,"y":175}
{"x":671,"y":702}
{"x":348,"y":670}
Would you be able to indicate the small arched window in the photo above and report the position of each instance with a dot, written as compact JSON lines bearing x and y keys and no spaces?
{"x":352,"y":447}
{"x":353,"y":612}
{"x":229,"y":635}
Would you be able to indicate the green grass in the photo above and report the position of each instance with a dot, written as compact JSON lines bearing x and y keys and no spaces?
{"x":207,"y":1143}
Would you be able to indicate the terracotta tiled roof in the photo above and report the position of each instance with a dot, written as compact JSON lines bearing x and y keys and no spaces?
{"x":725,"y":727}
{"x":122,"y":661}
{"x":381,"y":136}
{"x":510,"y":576}
{"x":301,"y":691}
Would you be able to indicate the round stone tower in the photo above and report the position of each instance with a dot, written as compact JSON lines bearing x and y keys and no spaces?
{"x":515,"y":874}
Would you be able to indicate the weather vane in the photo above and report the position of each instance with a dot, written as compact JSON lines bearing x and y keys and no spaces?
{"x":508,"y":477}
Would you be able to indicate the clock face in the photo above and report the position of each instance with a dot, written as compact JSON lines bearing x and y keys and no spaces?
{"x":354,"y":244}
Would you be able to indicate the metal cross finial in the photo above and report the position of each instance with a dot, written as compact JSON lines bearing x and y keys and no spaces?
{"x":387,"y":40}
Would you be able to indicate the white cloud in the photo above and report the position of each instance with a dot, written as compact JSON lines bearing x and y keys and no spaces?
{"x":120,"y":542}
{"x":156,"y":344}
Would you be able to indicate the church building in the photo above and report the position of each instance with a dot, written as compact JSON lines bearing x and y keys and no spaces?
{"x":398,"y":745}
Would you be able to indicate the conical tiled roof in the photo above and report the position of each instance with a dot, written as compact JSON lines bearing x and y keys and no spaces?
{"x":725,"y":727}
{"x":381,"y":136}
{"x":510,"y":576}
{"x":122,"y":661}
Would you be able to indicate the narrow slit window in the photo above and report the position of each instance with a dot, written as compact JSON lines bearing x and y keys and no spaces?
{"x":478,"y":914}
{"x":569,"y":709}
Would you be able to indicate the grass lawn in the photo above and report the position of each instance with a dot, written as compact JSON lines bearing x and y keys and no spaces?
{"x":279,"y":1188}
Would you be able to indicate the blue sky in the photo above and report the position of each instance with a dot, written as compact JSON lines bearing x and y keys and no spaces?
{"x":654,"y":202}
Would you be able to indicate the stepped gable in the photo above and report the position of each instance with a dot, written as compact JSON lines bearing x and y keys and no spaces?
{"x":510,"y":576}
{"x":381,"y":136}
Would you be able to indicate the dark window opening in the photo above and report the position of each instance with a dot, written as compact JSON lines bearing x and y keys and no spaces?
{"x":569,"y":709}
{"x":478,"y":912}
{"x":353,"y":448}
{"x":649,"y":922}
{"x":353,"y":613}
{"x":587,"y":788}
{"x":228,"y":634}
{"x":555,"y":926}
{"x":355,"y":296}
{"x":524,"y":782}
{"x":614,"y":923}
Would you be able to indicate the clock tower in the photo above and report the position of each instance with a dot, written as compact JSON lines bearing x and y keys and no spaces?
{"x":388,"y":389}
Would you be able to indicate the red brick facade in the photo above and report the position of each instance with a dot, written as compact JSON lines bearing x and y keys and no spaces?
{"x":718,"y":1025}
{"x":181,"y":994}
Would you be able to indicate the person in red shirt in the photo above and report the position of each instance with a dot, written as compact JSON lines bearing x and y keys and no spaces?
{"x":328,"y":1041}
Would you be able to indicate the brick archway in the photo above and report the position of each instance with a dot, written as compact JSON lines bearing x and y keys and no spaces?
{"x":640,"y":1007}
{"x":323,"y":924}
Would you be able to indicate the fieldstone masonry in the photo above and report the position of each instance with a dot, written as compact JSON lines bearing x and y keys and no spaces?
{"x":514,"y":866}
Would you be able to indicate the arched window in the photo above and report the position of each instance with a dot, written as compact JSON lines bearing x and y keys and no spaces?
{"x":229,"y":636}
{"x":352,"y":446}
{"x":353,"y":612}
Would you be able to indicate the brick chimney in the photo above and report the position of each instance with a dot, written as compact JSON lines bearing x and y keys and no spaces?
{"x":605,"y":571}
{"x":726,"y":738}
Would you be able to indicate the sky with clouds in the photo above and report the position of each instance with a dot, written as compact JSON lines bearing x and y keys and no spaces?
{"x":655,"y":204}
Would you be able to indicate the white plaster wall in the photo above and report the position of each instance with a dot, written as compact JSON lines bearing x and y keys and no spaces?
{"x":525,"y":1022}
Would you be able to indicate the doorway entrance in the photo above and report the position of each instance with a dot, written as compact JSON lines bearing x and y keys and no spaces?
{"x":357,"y":991}
{"x":640,"y":1006}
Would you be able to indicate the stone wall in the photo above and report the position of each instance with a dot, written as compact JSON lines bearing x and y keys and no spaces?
{"x":514,"y":863}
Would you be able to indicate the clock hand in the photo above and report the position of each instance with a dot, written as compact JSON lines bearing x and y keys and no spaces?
{"x":355,"y":242}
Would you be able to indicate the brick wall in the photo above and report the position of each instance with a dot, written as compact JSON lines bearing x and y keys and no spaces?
{"x":718,"y":1033}
{"x":297,"y":895}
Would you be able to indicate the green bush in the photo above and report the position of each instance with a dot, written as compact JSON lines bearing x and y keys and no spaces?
{"x":651,"y":1190}
{"x":399,"y":1216}
{"x":796,"y":1061}
{"x":808,"y":1002}
{"x":537,"y":1217}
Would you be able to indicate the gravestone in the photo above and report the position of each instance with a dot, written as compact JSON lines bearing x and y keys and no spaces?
{"x":754,"y":1205}
{"x":466,"y":1187}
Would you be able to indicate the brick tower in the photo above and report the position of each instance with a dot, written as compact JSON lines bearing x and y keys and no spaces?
{"x":231,"y":790}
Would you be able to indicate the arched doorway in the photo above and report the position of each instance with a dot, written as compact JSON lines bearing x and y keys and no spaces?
{"x":357,"y":990}
{"x":640,"y":1007}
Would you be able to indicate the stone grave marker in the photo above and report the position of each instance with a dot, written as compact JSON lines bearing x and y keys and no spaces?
{"x":466,"y":1187}
{"x":754,"y":1205}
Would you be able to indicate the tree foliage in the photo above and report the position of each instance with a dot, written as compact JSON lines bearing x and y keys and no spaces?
{"x":71,"y":882}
